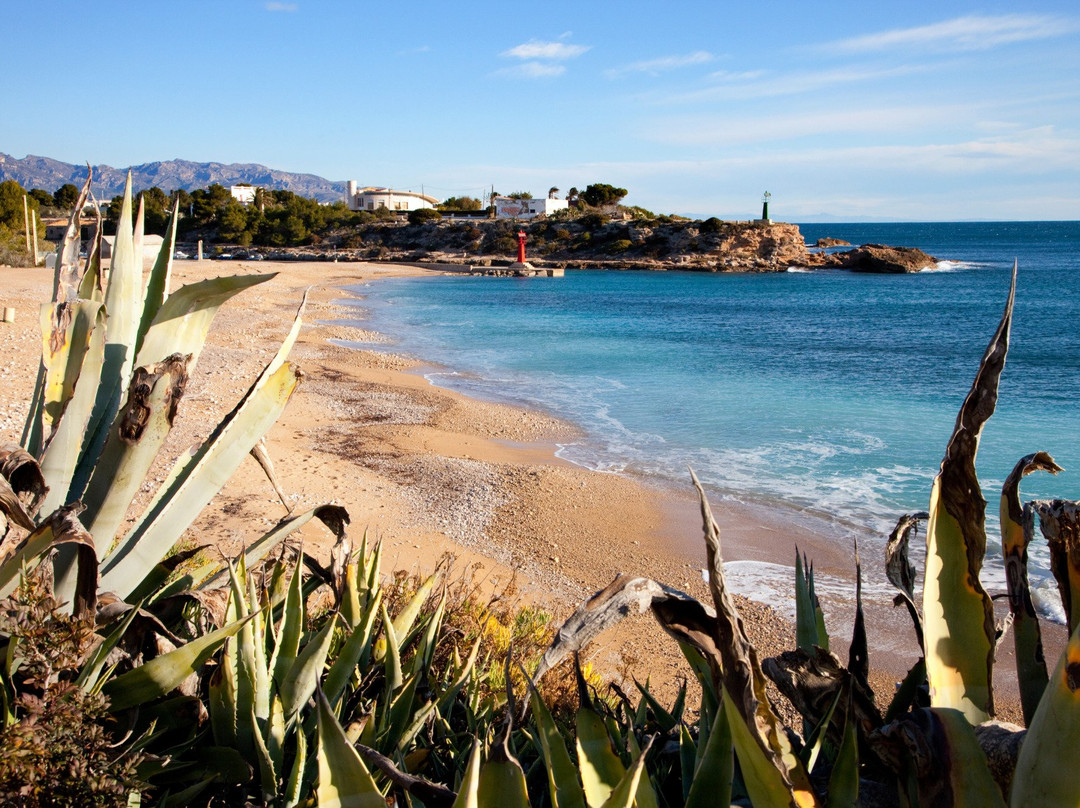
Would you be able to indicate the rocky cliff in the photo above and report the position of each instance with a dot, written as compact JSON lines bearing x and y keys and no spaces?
{"x":588,"y":241}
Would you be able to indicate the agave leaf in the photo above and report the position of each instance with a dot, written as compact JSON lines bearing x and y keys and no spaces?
{"x":200,"y":476}
{"x":425,"y":651}
{"x":624,"y":794}
{"x":1044,"y":769}
{"x":157,"y":285}
{"x":90,"y":287}
{"x":287,"y":645}
{"x":182,"y":322}
{"x":844,"y":779}
{"x":938,"y":759}
{"x":296,"y":785}
{"x":163,"y":673}
{"x":161,"y":526}
{"x":89,"y":677}
{"x":958,"y":616}
{"x":222,"y":702}
{"x":1059,"y":521}
{"x":449,"y":696}
{"x":123,"y":302}
{"x":809,"y":619}
{"x":600,"y":768}
{"x":859,"y":650}
{"x":666,"y":720}
{"x":61,"y":527}
{"x":899,"y":569}
{"x":63,"y":438}
{"x":565,"y":790}
{"x":22,"y":475}
{"x":468,"y":791}
{"x":907,"y":692}
{"x":334,"y":517}
{"x":765,"y":783}
{"x":303,"y":677}
{"x":137,"y":435}
{"x":344,"y":781}
{"x":66,"y":328}
{"x":714,"y":768}
{"x":405,"y":619}
{"x":268,"y":777}
{"x":399,"y":712}
{"x":12,"y":507}
{"x":392,"y":660}
{"x":351,"y":653}
{"x":502,"y":785}
{"x":68,"y":278}
{"x":1016,"y":533}
{"x":743,"y":679}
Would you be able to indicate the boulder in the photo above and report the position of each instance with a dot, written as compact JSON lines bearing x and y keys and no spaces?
{"x":881,"y":258}
{"x":829,"y":241}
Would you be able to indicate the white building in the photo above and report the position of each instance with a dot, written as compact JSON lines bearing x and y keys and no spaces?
{"x":507,"y":208}
{"x":374,"y":198}
{"x":244,"y":194}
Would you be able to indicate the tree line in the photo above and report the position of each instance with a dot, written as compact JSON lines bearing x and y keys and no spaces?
{"x":273,"y":219}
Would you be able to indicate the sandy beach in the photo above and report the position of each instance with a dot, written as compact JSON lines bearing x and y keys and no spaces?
{"x":429,"y":472}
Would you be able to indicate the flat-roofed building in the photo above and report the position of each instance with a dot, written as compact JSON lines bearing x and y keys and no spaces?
{"x":372,"y":198}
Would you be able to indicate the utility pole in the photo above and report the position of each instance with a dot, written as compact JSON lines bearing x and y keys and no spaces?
{"x":26,"y":221}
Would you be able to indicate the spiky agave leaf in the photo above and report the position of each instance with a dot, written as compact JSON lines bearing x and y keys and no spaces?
{"x":201,"y":476}
{"x":1016,"y":533}
{"x":1059,"y":521}
{"x":938,"y":761}
{"x":743,"y":679}
{"x":164,"y":673}
{"x":958,"y":616}
{"x":1045,"y":773}
{"x":344,"y":781}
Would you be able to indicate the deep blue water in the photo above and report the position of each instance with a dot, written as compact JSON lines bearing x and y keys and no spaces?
{"x":826,"y":390}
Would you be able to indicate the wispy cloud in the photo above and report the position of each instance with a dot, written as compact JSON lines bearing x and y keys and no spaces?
{"x":540,"y":59}
{"x":553,"y":51}
{"x":286,"y":7}
{"x":662,"y":64}
{"x":532,"y":70}
{"x":972,"y":32}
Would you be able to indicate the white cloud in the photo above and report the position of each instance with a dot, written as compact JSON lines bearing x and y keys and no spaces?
{"x":532,"y":70}
{"x":553,"y":51}
{"x":662,"y":64}
{"x":288,"y":7}
{"x":973,"y":32}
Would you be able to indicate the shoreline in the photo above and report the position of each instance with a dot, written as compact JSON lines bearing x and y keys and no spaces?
{"x":429,"y":471}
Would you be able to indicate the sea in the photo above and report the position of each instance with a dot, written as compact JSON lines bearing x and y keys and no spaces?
{"x":825,"y":392}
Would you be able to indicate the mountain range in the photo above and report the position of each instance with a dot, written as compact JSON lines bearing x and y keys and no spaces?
{"x":48,"y":174}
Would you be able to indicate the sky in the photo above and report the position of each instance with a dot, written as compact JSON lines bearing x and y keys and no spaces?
{"x":842,"y":111}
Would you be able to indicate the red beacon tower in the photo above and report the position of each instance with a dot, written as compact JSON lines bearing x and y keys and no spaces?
{"x":521,"y":247}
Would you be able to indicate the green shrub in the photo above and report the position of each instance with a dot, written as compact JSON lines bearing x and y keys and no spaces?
{"x":711,"y":225}
{"x":424,"y":215}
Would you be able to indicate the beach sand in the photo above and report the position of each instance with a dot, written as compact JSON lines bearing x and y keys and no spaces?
{"x":429,"y":472}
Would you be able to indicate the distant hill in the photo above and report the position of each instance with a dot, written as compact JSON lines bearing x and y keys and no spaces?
{"x":47,"y":174}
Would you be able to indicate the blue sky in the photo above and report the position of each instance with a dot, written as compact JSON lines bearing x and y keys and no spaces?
{"x":842,"y":111}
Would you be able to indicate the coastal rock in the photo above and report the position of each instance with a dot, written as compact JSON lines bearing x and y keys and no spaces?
{"x":829,"y":241}
{"x":884,"y":259}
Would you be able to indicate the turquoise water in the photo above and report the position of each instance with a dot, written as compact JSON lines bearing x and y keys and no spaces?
{"x":826,"y":390}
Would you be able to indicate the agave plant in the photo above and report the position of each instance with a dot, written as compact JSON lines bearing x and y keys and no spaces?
{"x":117,"y":350}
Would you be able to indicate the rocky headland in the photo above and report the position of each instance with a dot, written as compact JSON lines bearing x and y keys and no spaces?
{"x":590,"y":241}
